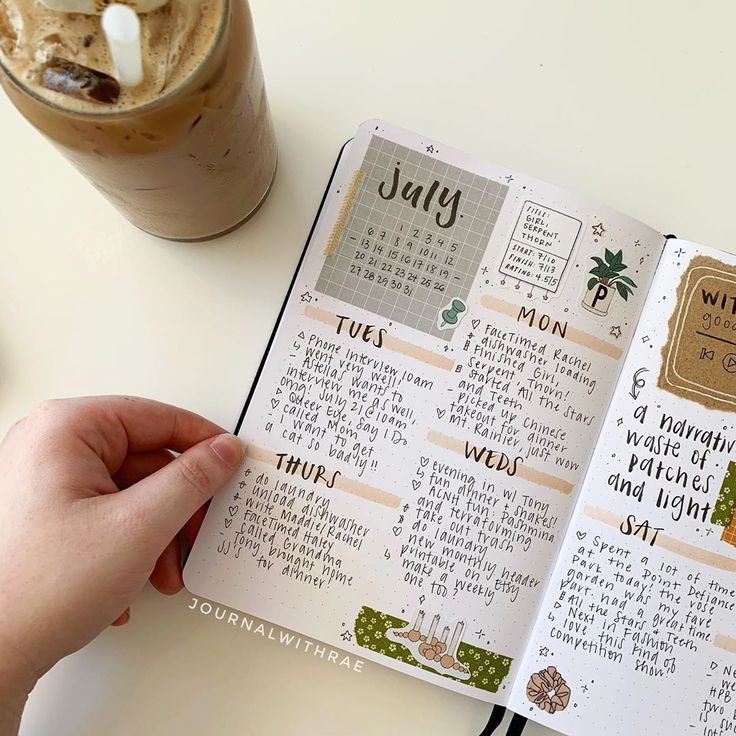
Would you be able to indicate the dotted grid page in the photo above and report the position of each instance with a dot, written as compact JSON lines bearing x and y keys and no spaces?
{"x":426,"y":410}
{"x":637,"y":631}
{"x":406,"y":256}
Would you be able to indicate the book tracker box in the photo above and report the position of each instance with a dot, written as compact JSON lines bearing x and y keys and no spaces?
{"x":492,"y":446}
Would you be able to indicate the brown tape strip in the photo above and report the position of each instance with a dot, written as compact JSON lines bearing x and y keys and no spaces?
{"x":342,"y":483}
{"x":522,"y":470}
{"x":573,"y":334}
{"x":342,"y":217}
{"x":678,"y":547}
{"x":729,"y":533}
{"x":391,"y":343}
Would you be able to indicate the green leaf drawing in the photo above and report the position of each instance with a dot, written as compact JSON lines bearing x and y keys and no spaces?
{"x":599,"y":271}
{"x":608,"y":272}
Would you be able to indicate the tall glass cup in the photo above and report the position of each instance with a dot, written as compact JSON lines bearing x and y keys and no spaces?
{"x":189,"y":163}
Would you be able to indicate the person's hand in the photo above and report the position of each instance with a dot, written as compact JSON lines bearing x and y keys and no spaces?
{"x":93,"y":504}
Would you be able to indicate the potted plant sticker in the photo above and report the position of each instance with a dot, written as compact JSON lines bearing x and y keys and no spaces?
{"x":606,"y":280}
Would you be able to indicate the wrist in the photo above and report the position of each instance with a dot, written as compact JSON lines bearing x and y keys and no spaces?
{"x":11,"y":712}
{"x":17,"y":679}
{"x":13,"y":699}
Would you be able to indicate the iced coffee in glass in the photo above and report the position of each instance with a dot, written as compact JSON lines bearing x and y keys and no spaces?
{"x":188,"y":153}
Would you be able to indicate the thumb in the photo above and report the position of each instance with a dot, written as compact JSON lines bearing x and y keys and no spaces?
{"x":165,"y":500}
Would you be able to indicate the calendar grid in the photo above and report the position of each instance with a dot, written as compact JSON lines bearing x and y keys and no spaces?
{"x":393,"y":258}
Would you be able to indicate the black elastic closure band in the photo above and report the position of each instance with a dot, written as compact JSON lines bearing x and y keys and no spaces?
{"x":516,"y":727}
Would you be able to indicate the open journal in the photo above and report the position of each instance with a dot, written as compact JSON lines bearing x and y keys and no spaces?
{"x":492,"y":445}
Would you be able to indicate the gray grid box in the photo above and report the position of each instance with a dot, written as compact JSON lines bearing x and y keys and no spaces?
{"x":393,"y":259}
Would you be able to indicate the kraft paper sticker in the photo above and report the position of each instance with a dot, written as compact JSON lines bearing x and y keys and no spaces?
{"x":699,"y":358}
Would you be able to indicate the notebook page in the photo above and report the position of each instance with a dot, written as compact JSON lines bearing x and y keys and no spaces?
{"x":637,"y":632}
{"x":427,"y":407}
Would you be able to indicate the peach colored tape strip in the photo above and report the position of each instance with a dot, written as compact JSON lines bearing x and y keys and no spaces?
{"x":348,"y":485}
{"x":703,"y":556}
{"x":342,"y":216}
{"x":522,"y":470}
{"x":578,"y":336}
{"x":725,"y":642}
{"x":392,"y":343}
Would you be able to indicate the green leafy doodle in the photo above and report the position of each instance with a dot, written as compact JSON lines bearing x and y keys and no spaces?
{"x":608,"y":272}
{"x":487,"y":669}
{"x":726,"y":503}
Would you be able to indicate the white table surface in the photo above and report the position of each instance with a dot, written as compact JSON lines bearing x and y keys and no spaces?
{"x":631,"y":102}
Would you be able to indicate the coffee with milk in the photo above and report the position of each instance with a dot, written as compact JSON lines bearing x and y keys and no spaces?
{"x":186,"y":154}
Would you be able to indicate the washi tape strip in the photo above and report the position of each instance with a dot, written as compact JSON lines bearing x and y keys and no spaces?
{"x":389,"y":342}
{"x":728,"y":644}
{"x":342,"y":218}
{"x":342,"y":483}
{"x":729,"y":533}
{"x":537,"y":477}
{"x":677,"y":546}
{"x":571,"y":333}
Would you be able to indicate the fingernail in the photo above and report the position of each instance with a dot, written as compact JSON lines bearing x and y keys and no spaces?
{"x":229,"y":448}
{"x":123,"y":618}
